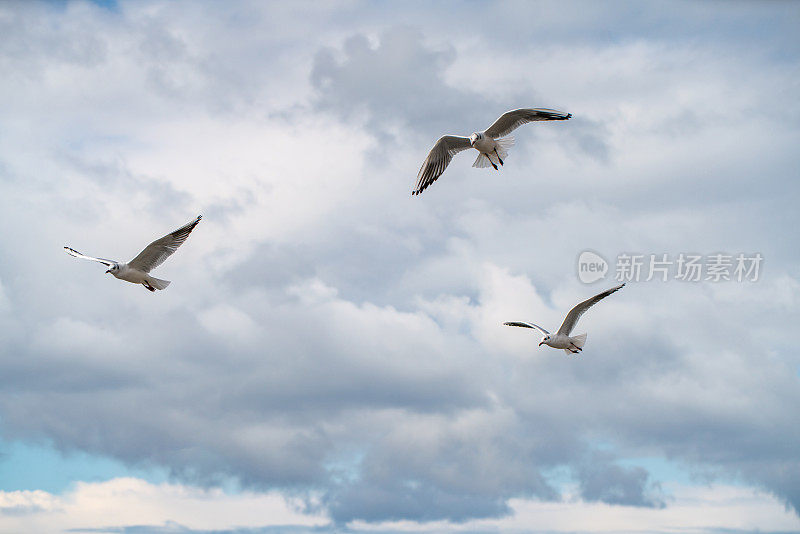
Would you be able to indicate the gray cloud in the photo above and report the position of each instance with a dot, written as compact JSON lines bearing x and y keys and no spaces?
{"x":602,"y":480}
{"x":360,"y":354}
{"x":469,"y":465}
{"x":396,"y":87}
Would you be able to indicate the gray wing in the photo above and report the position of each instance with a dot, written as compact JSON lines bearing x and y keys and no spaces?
{"x":511,"y":120}
{"x":159,"y":250}
{"x":438,"y":159}
{"x":73,"y":252}
{"x":528,"y":325}
{"x":575,"y":313}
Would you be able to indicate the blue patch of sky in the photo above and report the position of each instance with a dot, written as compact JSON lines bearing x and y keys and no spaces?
{"x":107,"y":4}
{"x":37,"y":466}
{"x":110,"y":5}
{"x":346,"y":467}
{"x":661,"y":470}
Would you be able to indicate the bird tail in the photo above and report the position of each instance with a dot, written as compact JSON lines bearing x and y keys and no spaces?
{"x":158,"y":283}
{"x":503,"y":144}
{"x":576,"y":344}
{"x":482,"y":161}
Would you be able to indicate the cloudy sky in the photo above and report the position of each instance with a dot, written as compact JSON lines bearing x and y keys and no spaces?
{"x":330,"y":355}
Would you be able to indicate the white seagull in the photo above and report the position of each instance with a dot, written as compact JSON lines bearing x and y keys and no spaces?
{"x":488,"y":143}
{"x":137,"y":271}
{"x":562,"y":339}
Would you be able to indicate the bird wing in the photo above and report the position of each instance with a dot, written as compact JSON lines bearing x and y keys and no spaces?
{"x":528,"y":325}
{"x":159,"y":250}
{"x":438,"y":159}
{"x":73,"y":252}
{"x":511,"y":120}
{"x":575,"y":313}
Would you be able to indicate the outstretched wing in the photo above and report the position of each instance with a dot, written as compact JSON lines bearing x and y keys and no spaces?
{"x":438,"y":159}
{"x":511,"y":120}
{"x":73,"y":252}
{"x":528,"y":325}
{"x":159,"y":250}
{"x":575,"y":313}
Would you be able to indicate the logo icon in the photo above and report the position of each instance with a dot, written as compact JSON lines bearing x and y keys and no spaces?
{"x":591,"y":267}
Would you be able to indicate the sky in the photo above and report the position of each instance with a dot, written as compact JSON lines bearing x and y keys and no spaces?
{"x":330,"y":355}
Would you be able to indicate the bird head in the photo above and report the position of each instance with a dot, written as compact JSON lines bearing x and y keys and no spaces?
{"x":114,"y":268}
{"x":544,"y":340}
{"x":474,"y":137}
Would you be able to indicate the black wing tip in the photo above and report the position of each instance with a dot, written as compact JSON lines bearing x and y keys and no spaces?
{"x":613,"y":290}
{"x":418,"y":191}
{"x":194,"y":223}
{"x":555,"y":115}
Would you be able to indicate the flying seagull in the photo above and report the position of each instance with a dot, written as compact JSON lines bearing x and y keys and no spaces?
{"x":137,"y":271}
{"x":562,"y":339}
{"x":490,"y":142}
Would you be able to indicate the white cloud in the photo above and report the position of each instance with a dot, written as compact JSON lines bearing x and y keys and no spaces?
{"x":77,"y":338}
{"x":130,"y":502}
{"x":230,"y":323}
{"x":320,"y":313}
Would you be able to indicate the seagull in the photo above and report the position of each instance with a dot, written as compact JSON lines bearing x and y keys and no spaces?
{"x":137,"y":271}
{"x":488,"y":143}
{"x":562,"y":339}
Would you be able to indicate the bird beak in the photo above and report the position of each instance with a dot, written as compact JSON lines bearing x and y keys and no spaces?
{"x":541,"y":343}
{"x":108,"y":271}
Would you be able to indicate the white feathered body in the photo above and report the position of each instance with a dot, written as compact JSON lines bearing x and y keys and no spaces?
{"x":568,"y":343}
{"x":135,"y":276}
{"x":484,"y":143}
{"x":491,"y":149}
